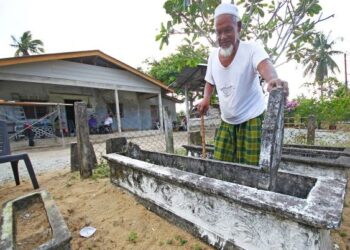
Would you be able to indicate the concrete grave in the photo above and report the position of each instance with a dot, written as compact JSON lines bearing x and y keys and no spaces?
{"x":227,"y":205}
{"x":56,"y":230}
{"x":302,"y":159}
{"x":236,"y":206}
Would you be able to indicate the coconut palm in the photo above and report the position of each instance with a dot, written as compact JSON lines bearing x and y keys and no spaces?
{"x":26,"y":44}
{"x":318,"y":59}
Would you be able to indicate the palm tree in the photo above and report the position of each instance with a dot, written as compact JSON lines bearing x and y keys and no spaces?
{"x":26,"y":45}
{"x":318,"y":59}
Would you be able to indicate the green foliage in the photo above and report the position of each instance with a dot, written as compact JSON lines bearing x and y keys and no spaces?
{"x":195,"y":20}
{"x":343,"y":234}
{"x":283,"y":26}
{"x":180,"y":240}
{"x":318,"y":60}
{"x":132,"y":237}
{"x":26,"y":44}
{"x":101,"y":171}
{"x":167,"y":69}
{"x":196,"y":247}
{"x":329,"y":110}
{"x":180,"y":151}
{"x":170,"y":241}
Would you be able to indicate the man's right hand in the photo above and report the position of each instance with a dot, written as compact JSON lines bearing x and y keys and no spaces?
{"x":203,"y":106}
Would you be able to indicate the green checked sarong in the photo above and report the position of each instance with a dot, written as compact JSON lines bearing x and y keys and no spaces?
{"x":239,"y":143}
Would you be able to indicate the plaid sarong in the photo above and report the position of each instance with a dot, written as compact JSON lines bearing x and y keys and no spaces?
{"x":239,"y":143}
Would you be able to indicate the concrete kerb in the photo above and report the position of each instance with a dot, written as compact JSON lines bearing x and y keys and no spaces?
{"x":61,"y":236}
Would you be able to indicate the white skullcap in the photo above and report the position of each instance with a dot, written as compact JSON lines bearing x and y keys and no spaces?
{"x":226,"y":8}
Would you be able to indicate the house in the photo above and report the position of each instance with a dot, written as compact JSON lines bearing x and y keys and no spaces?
{"x":107,"y":85}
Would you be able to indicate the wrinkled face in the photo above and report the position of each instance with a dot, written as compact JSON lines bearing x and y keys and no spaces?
{"x":227,"y":30}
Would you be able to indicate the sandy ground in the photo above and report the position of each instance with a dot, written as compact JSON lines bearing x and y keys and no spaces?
{"x":118,"y":217}
{"x":120,"y":221}
{"x":342,"y":235}
{"x":115,"y":213}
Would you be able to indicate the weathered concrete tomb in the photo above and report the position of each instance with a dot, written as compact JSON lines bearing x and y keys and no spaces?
{"x":33,"y":222}
{"x":228,"y":206}
{"x":316,"y":160}
{"x":302,"y":159}
{"x":236,"y":206}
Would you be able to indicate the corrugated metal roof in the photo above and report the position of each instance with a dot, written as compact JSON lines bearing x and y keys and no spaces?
{"x":86,"y":57}
{"x":193,"y":78}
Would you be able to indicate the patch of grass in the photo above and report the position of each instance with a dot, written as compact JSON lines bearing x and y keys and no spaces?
{"x":196,"y":247}
{"x":74,"y":175}
{"x":161,"y":243}
{"x":132,"y":237}
{"x":343,"y":234}
{"x":346,"y":204}
{"x":180,"y":151}
{"x":180,"y":240}
{"x":170,"y":241}
{"x":101,"y":171}
{"x":68,"y":184}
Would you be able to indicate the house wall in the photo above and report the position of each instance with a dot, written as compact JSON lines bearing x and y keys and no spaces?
{"x":77,"y":74}
{"x":136,"y":108}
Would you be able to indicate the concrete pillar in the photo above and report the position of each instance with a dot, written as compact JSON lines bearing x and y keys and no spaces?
{"x":116,"y":96}
{"x":169,"y":138}
{"x":161,"y":121}
{"x":272,"y":137}
{"x":311,"y":128}
{"x":187,"y":115}
{"x":116,"y":145}
{"x":195,"y":138}
{"x":60,"y":124}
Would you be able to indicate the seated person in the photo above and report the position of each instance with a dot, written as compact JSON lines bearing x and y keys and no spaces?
{"x":108,"y":124}
{"x":92,"y":124}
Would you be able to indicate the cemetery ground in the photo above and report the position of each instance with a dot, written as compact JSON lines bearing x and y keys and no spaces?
{"x":121,"y":222}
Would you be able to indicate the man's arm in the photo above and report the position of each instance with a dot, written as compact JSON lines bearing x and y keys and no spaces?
{"x":203,"y":105}
{"x":268,"y":73}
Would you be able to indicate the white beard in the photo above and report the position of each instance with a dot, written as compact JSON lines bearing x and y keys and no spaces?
{"x":226,"y":52}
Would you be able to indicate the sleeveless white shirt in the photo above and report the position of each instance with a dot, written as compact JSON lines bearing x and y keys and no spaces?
{"x":240,"y":95}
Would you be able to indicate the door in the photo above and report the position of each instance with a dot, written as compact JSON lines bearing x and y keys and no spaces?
{"x":70,"y":116}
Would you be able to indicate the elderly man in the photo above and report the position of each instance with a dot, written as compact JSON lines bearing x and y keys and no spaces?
{"x":233,"y":69}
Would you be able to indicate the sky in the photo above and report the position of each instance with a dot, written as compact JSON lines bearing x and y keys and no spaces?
{"x":126,"y":30}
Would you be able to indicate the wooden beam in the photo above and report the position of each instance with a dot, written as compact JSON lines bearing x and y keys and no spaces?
{"x":12,"y":103}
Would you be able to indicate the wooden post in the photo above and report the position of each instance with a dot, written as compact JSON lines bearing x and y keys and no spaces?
{"x":311,"y":127}
{"x":85,"y":151}
{"x":116,"y":96}
{"x":272,"y":137}
{"x":169,"y":138}
{"x":161,"y":121}
{"x":74,"y":160}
